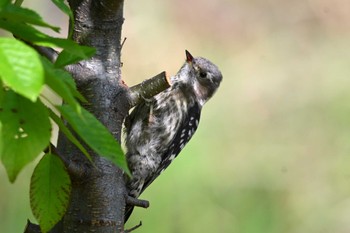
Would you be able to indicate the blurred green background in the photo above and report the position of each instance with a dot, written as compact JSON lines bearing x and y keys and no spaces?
{"x":272,"y":153}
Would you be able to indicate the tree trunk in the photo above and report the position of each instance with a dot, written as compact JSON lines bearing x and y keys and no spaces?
{"x":98,"y":192}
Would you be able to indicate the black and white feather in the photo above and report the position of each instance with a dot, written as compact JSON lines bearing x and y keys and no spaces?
{"x":158,"y":129}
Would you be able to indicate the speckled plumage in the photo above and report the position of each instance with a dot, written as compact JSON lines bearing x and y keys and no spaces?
{"x":159,"y":128}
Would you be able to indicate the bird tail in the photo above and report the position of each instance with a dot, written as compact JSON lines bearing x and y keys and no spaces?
{"x":128,"y":212}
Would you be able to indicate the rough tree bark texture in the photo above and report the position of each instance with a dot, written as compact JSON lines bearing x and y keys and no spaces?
{"x":98,"y":193}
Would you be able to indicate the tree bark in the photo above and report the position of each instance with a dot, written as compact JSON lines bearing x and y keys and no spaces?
{"x":98,"y":192}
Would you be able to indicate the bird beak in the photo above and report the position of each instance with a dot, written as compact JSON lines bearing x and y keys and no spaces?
{"x":189,"y":57}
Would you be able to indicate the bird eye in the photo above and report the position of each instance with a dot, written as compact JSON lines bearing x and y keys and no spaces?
{"x":203,"y":74}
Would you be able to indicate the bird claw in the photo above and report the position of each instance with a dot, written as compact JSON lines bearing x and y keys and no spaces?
{"x":133,"y":228}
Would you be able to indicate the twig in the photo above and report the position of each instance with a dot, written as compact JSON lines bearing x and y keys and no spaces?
{"x":122,"y":44}
{"x":47,"y":52}
{"x":148,"y":88}
{"x":78,"y":170}
{"x":137,"y":202}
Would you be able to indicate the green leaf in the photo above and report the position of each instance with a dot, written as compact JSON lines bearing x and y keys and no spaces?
{"x":4,"y":3}
{"x":50,"y":188}
{"x":20,"y":68}
{"x":55,"y":80}
{"x":29,"y":33}
{"x":23,"y":15}
{"x":95,"y":135}
{"x":62,"y":83}
{"x":67,"y":78}
{"x":69,"y":57}
{"x":64,"y":129}
{"x":25,"y":132}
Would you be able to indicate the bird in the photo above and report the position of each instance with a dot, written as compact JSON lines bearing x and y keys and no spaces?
{"x":159,"y":128}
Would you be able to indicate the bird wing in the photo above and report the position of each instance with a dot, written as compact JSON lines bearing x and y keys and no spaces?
{"x":184,"y":133}
{"x":142,"y":109}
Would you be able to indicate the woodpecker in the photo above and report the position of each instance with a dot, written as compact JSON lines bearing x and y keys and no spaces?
{"x":159,"y":128}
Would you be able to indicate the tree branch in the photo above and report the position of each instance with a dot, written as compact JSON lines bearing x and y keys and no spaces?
{"x":148,"y":88}
{"x":47,"y":52}
{"x":73,"y":168}
{"x":137,"y":202}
